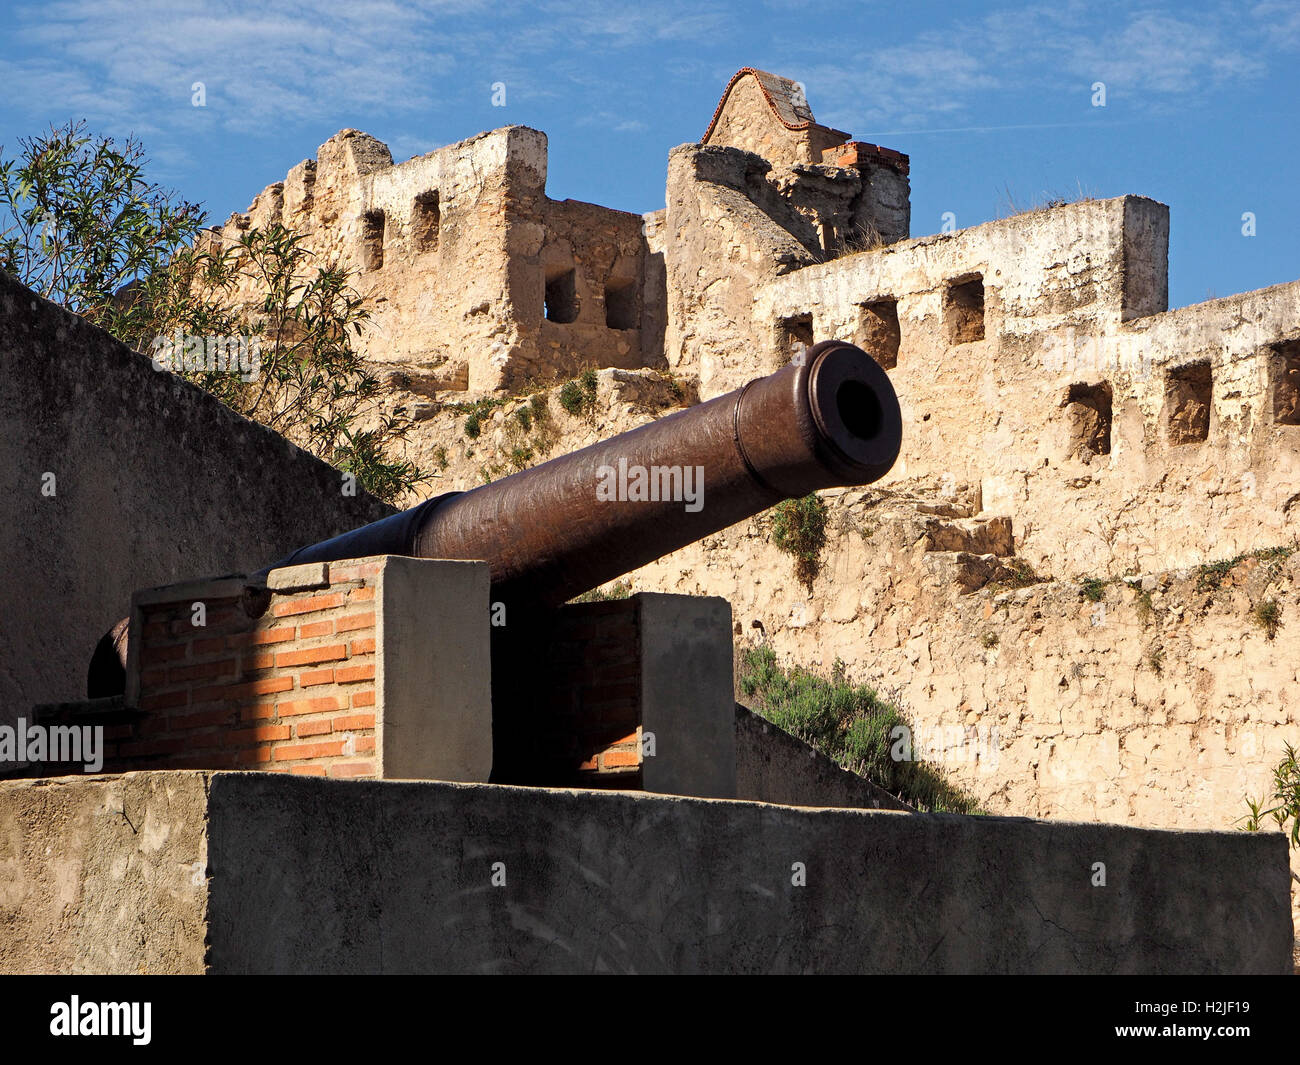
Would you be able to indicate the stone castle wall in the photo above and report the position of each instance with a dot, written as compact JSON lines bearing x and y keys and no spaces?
{"x":1120,"y":437}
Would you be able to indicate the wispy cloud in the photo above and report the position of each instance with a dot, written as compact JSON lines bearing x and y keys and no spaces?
{"x":1149,"y":59}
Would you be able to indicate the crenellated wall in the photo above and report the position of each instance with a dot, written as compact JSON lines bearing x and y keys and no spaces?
{"x":1069,"y":393}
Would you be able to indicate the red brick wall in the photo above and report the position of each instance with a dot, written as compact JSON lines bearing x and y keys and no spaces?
{"x":593,"y":708}
{"x":291,"y":690}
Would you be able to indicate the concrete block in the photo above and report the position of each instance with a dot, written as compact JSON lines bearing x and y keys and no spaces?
{"x":434,"y":671}
{"x":686,"y":695}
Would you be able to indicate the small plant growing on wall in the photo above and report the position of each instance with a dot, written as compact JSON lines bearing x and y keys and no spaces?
{"x":578,"y":396}
{"x":1093,"y":589}
{"x":799,"y":529}
{"x":1145,"y":608}
{"x":1268,"y":616}
{"x":1156,"y":660}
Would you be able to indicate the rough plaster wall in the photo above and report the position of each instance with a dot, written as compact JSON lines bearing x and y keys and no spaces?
{"x":600,"y":245}
{"x":654,"y":294}
{"x":104,"y":874}
{"x":885,"y":203}
{"x":321,"y":876}
{"x":156,"y":482}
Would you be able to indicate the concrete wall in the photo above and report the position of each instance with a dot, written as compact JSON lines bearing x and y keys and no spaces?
{"x":686,"y":701}
{"x":154,"y":482}
{"x":104,"y":874}
{"x":305,"y":875}
{"x":773,"y":766}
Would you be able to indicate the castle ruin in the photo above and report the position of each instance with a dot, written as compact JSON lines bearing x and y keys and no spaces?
{"x":1063,"y":429}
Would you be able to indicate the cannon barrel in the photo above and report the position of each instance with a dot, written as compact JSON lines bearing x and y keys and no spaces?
{"x":573,"y":523}
{"x":830,"y":418}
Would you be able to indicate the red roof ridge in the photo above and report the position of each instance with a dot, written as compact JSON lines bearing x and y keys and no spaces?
{"x":768,"y":84}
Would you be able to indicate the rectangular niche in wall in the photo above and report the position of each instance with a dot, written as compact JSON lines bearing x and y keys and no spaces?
{"x":620,"y":303}
{"x":1285,"y":373}
{"x":878,"y":331}
{"x":561,"y":295}
{"x":795,"y":334}
{"x":963,"y":309}
{"x":426,"y":217}
{"x":372,"y":240}
{"x":1089,"y":408}
{"x":1188,"y":394}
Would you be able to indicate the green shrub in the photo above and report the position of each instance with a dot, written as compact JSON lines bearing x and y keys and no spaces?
{"x":799,"y":529}
{"x":1268,"y":616}
{"x":578,"y":396}
{"x":850,"y":724}
{"x":1145,"y":608}
{"x":1286,"y":799}
{"x":1210,"y":576}
{"x":1093,"y":589}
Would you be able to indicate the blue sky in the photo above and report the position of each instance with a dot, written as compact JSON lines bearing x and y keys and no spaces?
{"x":994,"y":102}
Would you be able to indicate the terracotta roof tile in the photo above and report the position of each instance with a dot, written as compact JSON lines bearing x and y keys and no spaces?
{"x":783,"y":96}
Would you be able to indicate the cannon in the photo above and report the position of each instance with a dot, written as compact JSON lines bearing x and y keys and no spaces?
{"x":828,"y":419}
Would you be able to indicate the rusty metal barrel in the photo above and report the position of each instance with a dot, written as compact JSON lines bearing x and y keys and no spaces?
{"x":571,"y":524}
{"x":828,"y":419}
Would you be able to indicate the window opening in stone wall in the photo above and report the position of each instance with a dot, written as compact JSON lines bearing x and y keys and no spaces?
{"x":1089,"y":408}
{"x":372,"y":240}
{"x":1285,"y":371}
{"x":620,"y":304}
{"x":1188,"y":393}
{"x":964,"y":310}
{"x":561,"y":297}
{"x":878,"y":331}
{"x":426,"y":217}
